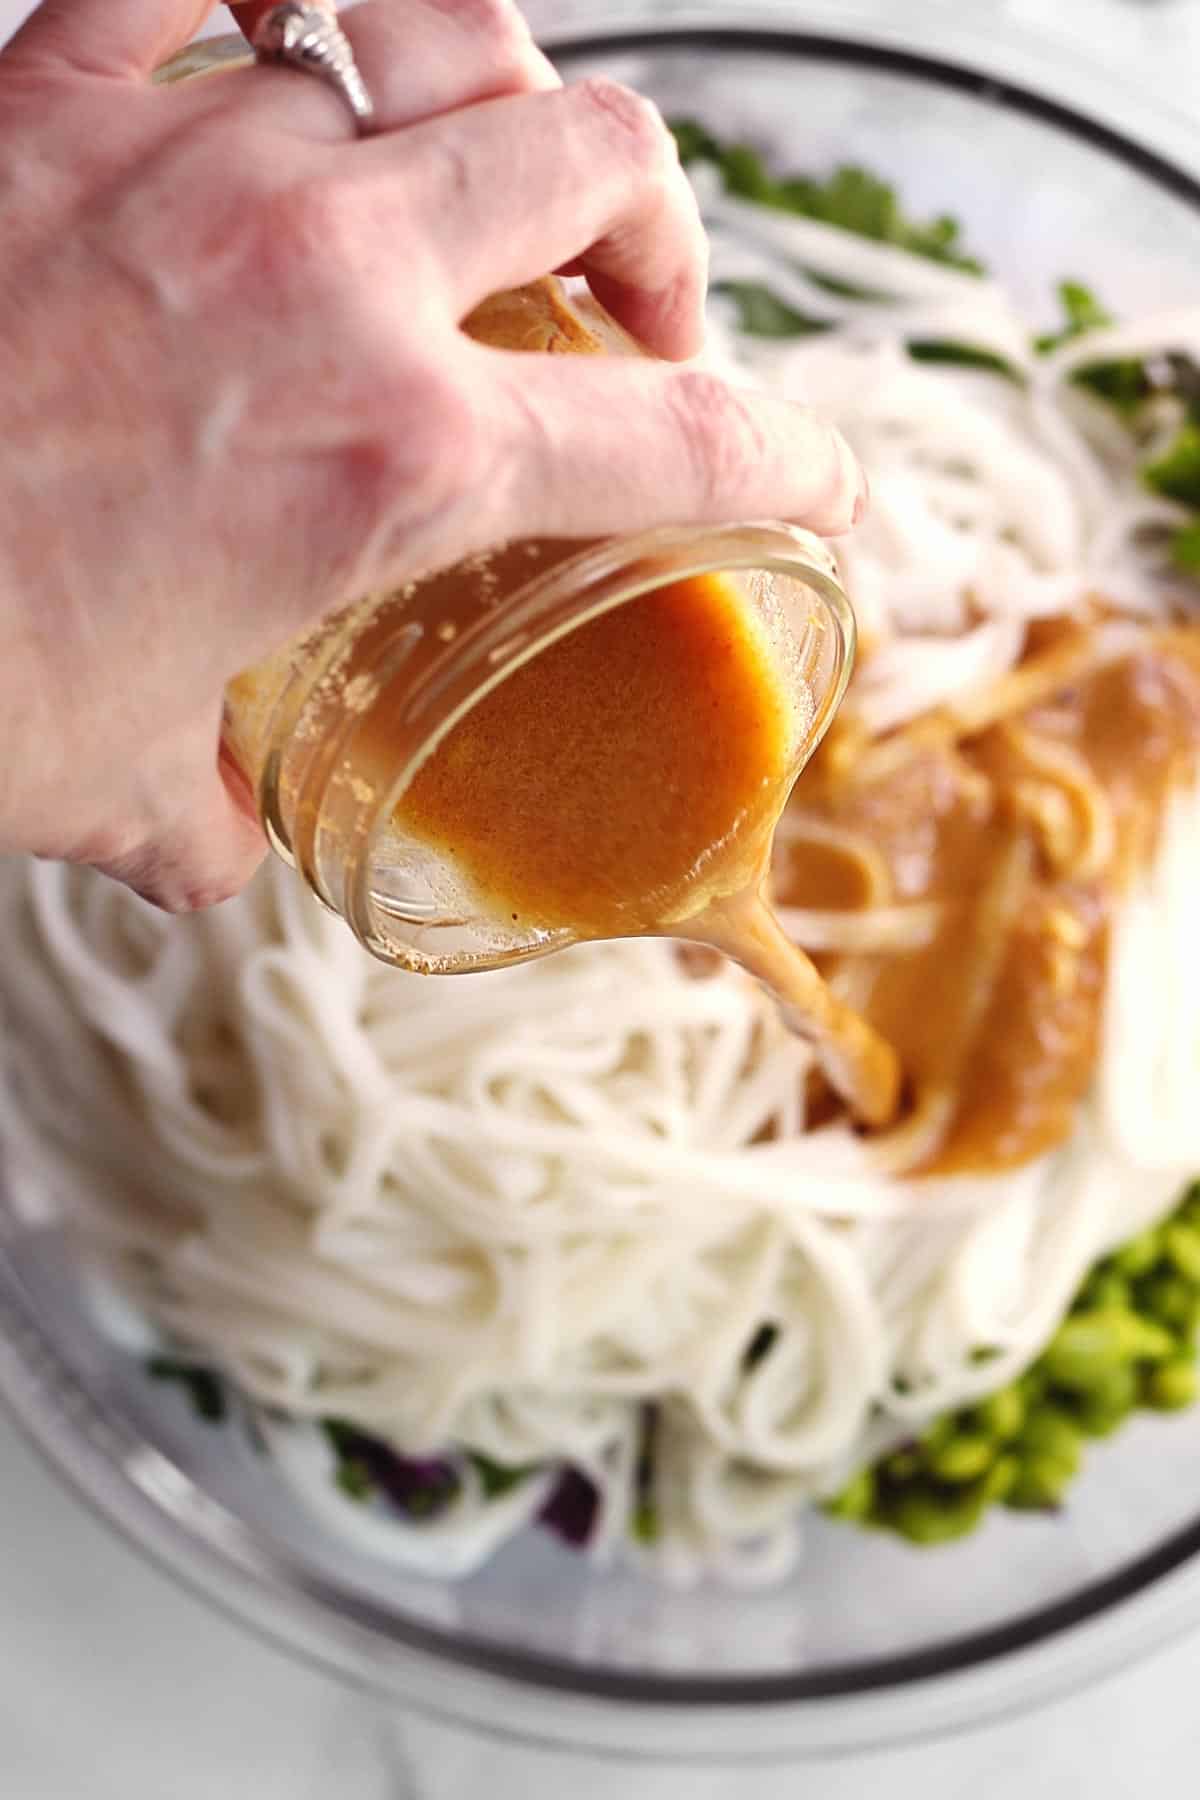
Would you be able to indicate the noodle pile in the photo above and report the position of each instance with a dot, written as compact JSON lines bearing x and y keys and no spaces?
{"x":505,"y":1211}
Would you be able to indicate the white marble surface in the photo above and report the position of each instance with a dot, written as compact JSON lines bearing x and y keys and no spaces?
{"x":115,"y":1685}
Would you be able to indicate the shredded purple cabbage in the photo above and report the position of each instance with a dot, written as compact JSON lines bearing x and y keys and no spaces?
{"x":572,"y":1509}
{"x":420,"y":1487}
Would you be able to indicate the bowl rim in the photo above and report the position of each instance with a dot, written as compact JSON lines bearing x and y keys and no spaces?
{"x":150,"y":1500}
{"x":868,"y":52}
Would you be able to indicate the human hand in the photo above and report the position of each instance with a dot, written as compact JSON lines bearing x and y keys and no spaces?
{"x":234,"y":394}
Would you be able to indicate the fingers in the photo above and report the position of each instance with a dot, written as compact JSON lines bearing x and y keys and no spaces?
{"x":418,"y":58}
{"x":505,"y":172}
{"x":507,"y":190}
{"x":591,"y":446}
{"x":110,"y":37}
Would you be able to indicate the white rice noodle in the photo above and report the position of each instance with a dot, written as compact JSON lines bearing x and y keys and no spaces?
{"x":502,"y":1212}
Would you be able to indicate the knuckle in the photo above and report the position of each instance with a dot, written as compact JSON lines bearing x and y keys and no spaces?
{"x":167,"y":892}
{"x":632,"y":123}
{"x":723,"y":439}
{"x":168,"y":880}
{"x":156,"y":868}
{"x":425,"y":454}
{"x":311,"y":229}
{"x":497,"y":30}
{"x":450,"y":173}
{"x":176,"y":894}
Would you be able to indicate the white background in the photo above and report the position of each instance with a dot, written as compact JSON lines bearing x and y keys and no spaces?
{"x":114,"y":1685}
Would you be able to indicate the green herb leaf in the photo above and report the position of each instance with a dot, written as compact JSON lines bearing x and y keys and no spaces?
{"x":496,"y":1478}
{"x":962,"y":356}
{"x":1185,"y":549}
{"x":1176,"y":473}
{"x":1082,"y":312}
{"x":1122,"y":385}
{"x":746,"y":174}
{"x":846,"y":290}
{"x":342,"y":1436}
{"x":764,"y":314}
{"x":354,"y":1479}
{"x":644,"y":1525}
{"x":204,"y":1389}
{"x":851,"y":198}
{"x":694,"y":143}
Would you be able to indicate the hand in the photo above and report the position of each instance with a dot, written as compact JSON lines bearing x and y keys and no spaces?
{"x":234,"y":394}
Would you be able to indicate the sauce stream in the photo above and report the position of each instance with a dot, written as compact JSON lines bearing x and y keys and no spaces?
{"x":859,"y":1064}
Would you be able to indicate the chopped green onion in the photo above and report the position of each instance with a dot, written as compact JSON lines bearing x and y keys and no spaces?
{"x":644,"y":1525}
{"x":962,"y":356}
{"x":498,"y":1479}
{"x":1185,"y":549}
{"x":203,"y":1387}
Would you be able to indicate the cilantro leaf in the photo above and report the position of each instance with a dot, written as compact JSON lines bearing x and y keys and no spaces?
{"x":694,"y":142}
{"x":857,"y":201}
{"x":1082,"y":312}
{"x":1185,"y":549}
{"x":746,"y":174}
{"x":851,"y":198}
{"x":1176,"y":473}
{"x":1123,"y":385}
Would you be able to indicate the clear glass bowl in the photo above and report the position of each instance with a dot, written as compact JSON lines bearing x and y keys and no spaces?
{"x":870,"y":1641}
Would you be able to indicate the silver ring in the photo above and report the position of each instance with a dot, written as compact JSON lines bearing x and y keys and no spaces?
{"x":305,"y":35}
